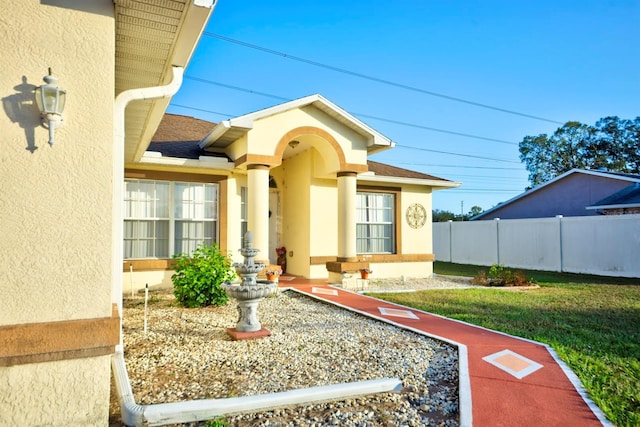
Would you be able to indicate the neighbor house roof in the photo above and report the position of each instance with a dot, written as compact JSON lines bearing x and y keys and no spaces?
{"x":631,"y":178}
{"x":628,"y":197}
{"x":228,"y":131}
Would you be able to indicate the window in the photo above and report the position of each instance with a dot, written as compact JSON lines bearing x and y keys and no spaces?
{"x":164,"y":218}
{"x":375,"y":223}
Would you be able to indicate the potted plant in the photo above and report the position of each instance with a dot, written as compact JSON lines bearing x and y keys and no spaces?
{"x":364,"y":273}
{"x":272,"y":274}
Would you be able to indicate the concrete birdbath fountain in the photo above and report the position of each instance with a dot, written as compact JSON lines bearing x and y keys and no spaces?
{"x":249,"y":292}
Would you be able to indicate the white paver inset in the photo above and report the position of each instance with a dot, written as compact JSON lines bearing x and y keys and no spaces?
{"x":513,"y":363}
{"x":324,"y":291}
{"x":407,"y":314}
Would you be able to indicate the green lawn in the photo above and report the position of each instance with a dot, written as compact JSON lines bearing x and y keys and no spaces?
{"x":592,"y":322}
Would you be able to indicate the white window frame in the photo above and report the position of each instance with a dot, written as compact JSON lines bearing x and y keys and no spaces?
{"x":171,"y":218}
{"x":369,"y":217}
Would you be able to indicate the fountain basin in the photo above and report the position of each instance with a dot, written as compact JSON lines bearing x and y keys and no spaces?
{"x":241,"y":292}
{"x":248,"y":269}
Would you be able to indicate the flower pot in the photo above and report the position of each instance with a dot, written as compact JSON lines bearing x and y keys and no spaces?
{"x":271,"y":277}
{"x":364,"y":274}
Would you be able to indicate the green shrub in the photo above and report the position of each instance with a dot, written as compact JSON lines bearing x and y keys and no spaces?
{"x":498,"y":275}
{"x":198,"y":278}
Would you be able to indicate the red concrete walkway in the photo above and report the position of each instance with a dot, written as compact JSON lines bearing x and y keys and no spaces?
{"x":504,"y":380}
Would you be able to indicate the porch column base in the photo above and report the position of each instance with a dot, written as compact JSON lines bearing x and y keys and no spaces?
{"x":346,"y":273}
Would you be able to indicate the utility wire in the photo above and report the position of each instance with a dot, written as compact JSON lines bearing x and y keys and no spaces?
{"x":455,"y":154}
{"x":397,"y":145}
{"x":377,"y":79}
{"x":450,"y":132}
{"x":455,"y":166}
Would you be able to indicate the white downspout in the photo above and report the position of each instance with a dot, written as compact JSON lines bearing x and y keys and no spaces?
{"x":206,"y":409}
{"x":133,"y":411}
{"x":120,"y":104}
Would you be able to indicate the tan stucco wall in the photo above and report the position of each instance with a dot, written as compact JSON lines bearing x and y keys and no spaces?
{"x":55,"y":202}
{"x":416,"y":240}
{"x":267,"y":133}
{"x":65,"y":393}
{"x":295,"y":205}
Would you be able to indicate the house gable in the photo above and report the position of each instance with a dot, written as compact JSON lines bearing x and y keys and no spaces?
{"x":568,"y":195}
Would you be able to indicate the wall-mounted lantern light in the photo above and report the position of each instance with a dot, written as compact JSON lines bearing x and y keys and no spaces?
{"x":50,"y":99}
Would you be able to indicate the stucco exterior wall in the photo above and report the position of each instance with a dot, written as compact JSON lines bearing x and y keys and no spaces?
{"x":56,"y":202}
{"x":416,"y":241}
{"x":267,"y":132}
{"x":295,"y":204}
{"x":47,"y":393}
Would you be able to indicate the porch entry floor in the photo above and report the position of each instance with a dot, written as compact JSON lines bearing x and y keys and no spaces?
{"x":508,"y":381}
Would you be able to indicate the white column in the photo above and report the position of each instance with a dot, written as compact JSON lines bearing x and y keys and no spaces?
{"x":258,"y":208}
{"x":347,"y":216}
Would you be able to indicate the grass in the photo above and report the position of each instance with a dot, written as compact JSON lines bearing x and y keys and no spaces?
{"x":592,"y":322}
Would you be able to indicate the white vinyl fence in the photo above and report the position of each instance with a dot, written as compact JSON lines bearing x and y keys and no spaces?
{"x":603,"y":245}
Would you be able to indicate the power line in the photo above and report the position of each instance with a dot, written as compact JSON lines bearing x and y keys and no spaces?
{"x":202,"y":109}
{"x":450,"y":132}
{"x":281,"y":98}
{"x":397,"y":145}
{"x":376,"y":79}
{"x":456,"y":154}
{"x":455,"y":166}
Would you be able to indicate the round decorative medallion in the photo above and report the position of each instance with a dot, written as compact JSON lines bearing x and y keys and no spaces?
{"x":416,"y":215}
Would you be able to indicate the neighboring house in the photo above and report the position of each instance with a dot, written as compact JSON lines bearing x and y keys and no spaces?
{"x":574,"y":193}
{"x":62,"y":227}
{"x":61,"y":205}
{"x":624,"y":202}
{"x":296,"y":175}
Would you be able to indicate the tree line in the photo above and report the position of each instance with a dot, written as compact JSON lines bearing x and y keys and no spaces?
{"x":612,"y":144}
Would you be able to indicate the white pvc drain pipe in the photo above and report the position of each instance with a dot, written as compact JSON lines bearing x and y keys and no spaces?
{"x":206,"y":409}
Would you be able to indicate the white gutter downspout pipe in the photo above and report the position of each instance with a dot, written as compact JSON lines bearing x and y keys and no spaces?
{"x":195,"y":410}
{"x":120,"y":104}
{"x":207,"y":409}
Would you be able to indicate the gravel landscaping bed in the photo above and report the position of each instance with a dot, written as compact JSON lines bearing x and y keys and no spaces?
{"x":186,"y":354}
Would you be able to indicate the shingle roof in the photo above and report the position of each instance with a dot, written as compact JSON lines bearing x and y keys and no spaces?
{"x":629,"y":195}
{"x":179,"y":136}
{"x":174,"y":128}
{"x":388,"y":170}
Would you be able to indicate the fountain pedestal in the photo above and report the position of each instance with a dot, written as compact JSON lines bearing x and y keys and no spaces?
{"x":249,"y":293}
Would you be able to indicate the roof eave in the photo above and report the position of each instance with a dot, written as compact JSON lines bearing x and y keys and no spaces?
{"x":195,"y":16}
{"x":620,"y":206}
{"x":436,"y":184}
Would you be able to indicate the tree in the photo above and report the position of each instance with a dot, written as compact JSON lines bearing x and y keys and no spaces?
{"x":547,"y":157}
{"x":442,"y":216}
{"x":611,"y":144}
{"x":475,"y":210}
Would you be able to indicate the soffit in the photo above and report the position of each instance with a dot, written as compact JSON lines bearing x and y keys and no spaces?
{"x":151,"y":37}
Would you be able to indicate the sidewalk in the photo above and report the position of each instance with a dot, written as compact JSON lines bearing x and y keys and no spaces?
{"x":504,"y":380}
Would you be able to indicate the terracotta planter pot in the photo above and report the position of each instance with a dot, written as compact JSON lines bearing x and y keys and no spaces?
{"x":271,"y":277}
{"x":364,"y":274}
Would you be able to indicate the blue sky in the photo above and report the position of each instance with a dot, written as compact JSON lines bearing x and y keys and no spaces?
{"x":555,"y":60}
